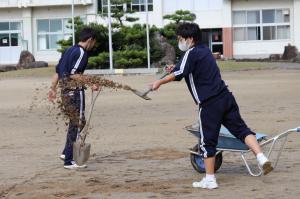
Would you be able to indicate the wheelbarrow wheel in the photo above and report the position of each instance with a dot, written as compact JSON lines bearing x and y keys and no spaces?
{"x":198,"y":161}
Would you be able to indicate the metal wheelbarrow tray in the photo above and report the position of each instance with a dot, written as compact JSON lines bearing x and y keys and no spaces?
{"x":227,"y":142}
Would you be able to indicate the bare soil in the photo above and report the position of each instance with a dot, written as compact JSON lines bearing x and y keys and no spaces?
{"x":139,"y":148}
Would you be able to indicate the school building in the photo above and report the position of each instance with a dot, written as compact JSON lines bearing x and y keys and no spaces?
{"x":235,"y":28}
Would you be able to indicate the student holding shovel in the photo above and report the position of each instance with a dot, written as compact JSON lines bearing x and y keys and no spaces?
{"x":69,"y":75}
{"x":216,"y":103}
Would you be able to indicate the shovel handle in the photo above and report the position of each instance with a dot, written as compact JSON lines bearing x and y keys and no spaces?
{"x":161,"y":77}
{"x":165,"y":73}
{"x":86,"y":127}
{"x":147,"y":91}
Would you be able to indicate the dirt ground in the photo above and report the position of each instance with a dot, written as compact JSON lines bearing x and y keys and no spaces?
{"x":139,"y":148}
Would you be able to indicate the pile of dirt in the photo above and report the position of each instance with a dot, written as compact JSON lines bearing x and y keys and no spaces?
{"x":61,"y":109}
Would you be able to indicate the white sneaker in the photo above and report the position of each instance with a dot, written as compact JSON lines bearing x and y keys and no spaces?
{"x":74,"y":166}
{"x":62,"y":157}
{"x":265,"y":164}
{"x":206,"y":184}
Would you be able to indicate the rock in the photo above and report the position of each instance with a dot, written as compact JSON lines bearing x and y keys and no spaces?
{"x":275,"y":57}
{"x":25,"y":59}
{"x":168,"y":51}
{"x":290,"y":52}
{"x":170,"y":54}
{"x":297,"y":59}
{"x":5,"y":68}
{"x":36,"y":64}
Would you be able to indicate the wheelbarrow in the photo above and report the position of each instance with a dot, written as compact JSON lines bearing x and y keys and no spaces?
{"x":227,"y":142}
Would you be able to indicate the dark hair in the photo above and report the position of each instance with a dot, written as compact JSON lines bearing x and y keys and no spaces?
{"x":189,"y":30}
{"x":87,"y":33}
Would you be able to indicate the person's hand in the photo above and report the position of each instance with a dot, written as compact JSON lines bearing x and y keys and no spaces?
{"x":95,"y":87}
{"x":52,"y":95}
{"x":169,"y":68}
{"x":155,"y":85}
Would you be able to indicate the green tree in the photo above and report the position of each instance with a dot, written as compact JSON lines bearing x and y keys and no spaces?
{"x":65,"y":44}
{"x":129,"y":44}
{"x":169,"y":30}
{"x":101,"y":37}
{"x":119,"y":13}
{"x":181,"y":16}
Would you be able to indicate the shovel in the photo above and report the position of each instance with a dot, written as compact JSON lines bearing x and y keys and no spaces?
{"x":144,"y":94}
{"x":81,"y":149}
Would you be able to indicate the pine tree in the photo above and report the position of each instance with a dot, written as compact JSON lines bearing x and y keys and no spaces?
{"x":120,"y":11}
{"x":181,"y":16}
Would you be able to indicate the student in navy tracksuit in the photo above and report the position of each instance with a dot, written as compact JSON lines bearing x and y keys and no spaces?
{"x":216,"y":103}
{"x":70,"y":69}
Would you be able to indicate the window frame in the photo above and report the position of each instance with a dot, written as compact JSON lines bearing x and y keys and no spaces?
{"x":262,"y":25}
{"x":140,"y":4}
{"x":10,"y":32}
{"x":63,"y":32}
{"x":127,"y":6}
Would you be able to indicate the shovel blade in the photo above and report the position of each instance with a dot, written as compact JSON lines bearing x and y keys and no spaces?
{"x":140,"y":94}
{"x":81,"y":152}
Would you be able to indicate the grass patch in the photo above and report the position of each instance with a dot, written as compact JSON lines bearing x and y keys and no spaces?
{"x":49,"y":71}
{"x":33,"y":72}
{"x":237,"y":66}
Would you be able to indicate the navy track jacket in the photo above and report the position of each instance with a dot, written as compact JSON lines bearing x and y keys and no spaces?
{"x":201,"y":73}
{"x":73,"y":61}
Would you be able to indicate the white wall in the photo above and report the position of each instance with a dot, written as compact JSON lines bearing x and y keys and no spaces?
{"x":9,"y":14}
{"x":27,"y":27}
{"x":297,"y":23}
{"x":227,"y":13}
{"x":34,"y":3}
{"x":261,"y":4}
{"x":155,"y":16}
{"x":210,"y":13}
{"x":262,"y":49}
{"x":28,"y":16}
{"x":50,"y":13}
{"x":10,"y":55}
{"x":258,"y":49}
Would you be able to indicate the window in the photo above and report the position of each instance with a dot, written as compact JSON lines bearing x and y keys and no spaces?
{"x":134,"y":5}
{"x":268,"y":16}
{"x":4,"y":39}
{"x":283,"y":32}
{"x":104,"y":5}
{"x":240,"y":34}
{"x":140,"y":5}
{"x":269,"y":32}
{"x":10,"y":34}
{"x":282,"y":16}
{"x":271,"y":24}
{"x":50,"y":31}
{"x":247,"y":25}
{"x":253,"y":17}
{"x":14,"y":39}
{"x":239,"y":17}
{"x":4,"y":26}
{"x":253,"y":33}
